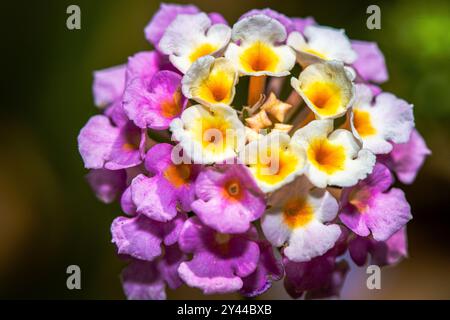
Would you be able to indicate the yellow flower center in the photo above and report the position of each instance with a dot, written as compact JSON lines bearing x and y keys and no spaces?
{"x":178,"y":175}
{"x":325,"y":96}
{"x":297,"y":213}
{"x":202,"y":50}
{"x":326,"y":156}
{"x":214,"y":133}
{"x":362,"y":123}
{"x":259,"y":57}
{"x":217,"y":87}
{"x":274,"y":167}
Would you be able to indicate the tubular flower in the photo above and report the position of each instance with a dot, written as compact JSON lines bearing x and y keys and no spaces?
{"x":257,"y":53}
{"x":141,"y":237}
{"x":326,"y":88}
{"x":370,"y":207}
{"x":230,"y":191}
{"x":157,"y":104}
{"x":202,"y":39}
{"x":209,"y":136}
{"x":387,"y":119}
{"x":273,"y":160}
{"x":170,"y":187}
{"x":104,"y":145}
{"x":211,"y":81}
{"x":228,"y":199}
{"x":220,"y":261}
{"x":333,"y":157}
{"x":299,"y":220}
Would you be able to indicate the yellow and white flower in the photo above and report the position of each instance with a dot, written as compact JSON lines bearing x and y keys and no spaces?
{"x":333,"y":158}
{"x":191,"y":36}
{"x":209,"y":136}
{"x":257,"y":53}
{"x":326,"y":88}
{"x":210,"y":81}
{"x":273,"y":160}
{"x":376,"y":124}
{"x":321,"y":43}
{"x":299,"y":221}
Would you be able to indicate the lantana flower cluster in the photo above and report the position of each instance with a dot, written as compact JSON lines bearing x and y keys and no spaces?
{"x":230,"y":196}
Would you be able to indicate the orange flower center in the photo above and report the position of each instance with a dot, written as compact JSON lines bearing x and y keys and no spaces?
{"x":326,"y":156}
{"x":297,"y":213}
{"x":362,"y":123}
{"x":232,"y":190}
{"x":326,"y":97}
{"x":259,"y":57}
{"x":171,"y":108}
{"x":178,"y":175}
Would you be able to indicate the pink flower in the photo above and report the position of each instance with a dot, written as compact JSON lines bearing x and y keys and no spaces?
{"x":220,"y":261}
{"x":156,"y":104}
{"x":369,"y":207}
{"x":169,"y":188}
{"x":167,"y":14}
{"x":141,"y":237}
{"x":228,"y":199}
{"x":105,"y":145}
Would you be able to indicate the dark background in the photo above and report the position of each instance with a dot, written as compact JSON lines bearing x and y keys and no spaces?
{"x":49,"y":218}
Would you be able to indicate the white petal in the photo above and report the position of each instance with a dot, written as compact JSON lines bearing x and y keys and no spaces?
{"x":258,"y":52}
{"x":388,"y":119}
{"x":179,"y":42}
{"x":312,"y":241}
{"x":394,"y":117}
{"x":258,"y":28}
{"x":274,"y":228}
{"x":325,"y":205}
{"x":352,"y":163}
{"x":313,"y":130}
{"x":356,"y":169}
{"x":190,"y":36}
{"x":330,"y":42}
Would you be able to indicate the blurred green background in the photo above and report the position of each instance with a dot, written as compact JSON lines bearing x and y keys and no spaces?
{"x":49,"y":218}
